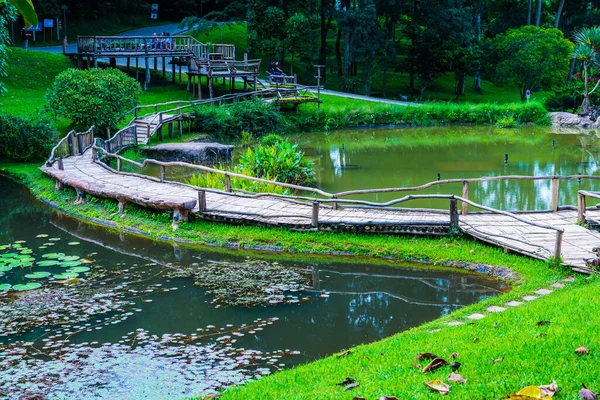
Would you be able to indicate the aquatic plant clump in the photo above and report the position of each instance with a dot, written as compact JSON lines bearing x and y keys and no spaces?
{"x":140,"y":366}
{"x":250,"y":283}
{"x":26,"y":310}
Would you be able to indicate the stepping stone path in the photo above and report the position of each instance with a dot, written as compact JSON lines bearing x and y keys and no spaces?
{"x":514,"y":303}
{"x":476,"y":316}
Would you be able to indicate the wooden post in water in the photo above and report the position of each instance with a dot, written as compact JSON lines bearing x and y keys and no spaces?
{"x":580,"y":208}
{"x":555,"y":182}
{"x":453,"y":214}
{"x":315,"y":214}
{"x":558,"y":246}
{"x":201,"y":201}
{"x":228,"y":183}
{"x":465,"y":195}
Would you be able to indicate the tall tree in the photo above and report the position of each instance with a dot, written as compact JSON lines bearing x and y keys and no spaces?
{"x":588,"y":52}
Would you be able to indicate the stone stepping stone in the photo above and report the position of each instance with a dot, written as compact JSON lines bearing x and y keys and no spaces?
{"x":569,"y":279}
{"x":529,"y":298}
{"x":476,"y":316}
{"x":495,"y":309}
{"x":543,"y":292}
{"x":558,"y":285}
{"x":514,"y":303}
{"x":455,"y":323}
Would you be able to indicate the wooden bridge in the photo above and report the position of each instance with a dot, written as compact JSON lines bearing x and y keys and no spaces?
{"x":87,"y":164}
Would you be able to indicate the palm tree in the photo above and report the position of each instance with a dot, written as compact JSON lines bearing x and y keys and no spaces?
{"x":588,"y":52}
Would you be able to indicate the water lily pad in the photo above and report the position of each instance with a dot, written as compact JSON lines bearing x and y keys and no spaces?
{"x":66,"y":275}
{"x":38,"y":275}
{"x":27,"y":259}
{"x":5,"y":268}
{"x":73,"y":243}
{"x":42,"y":235}
{"x":55,"y":239}
{"x":15,"y":264}
{"x":69,"y":258}
{"x":26,"y":251}
{"x":4,"y":287}
{"x":42,"y":247}
{"x":20,"y":241}
{"x":4,"y":247}
{"x":9,"y":255}
{"x":27,"y":286}
{"x":49,"y":244}
{"x":78,"y":269}
{"x":54,"y":255}
{"x":47,"y":263}
{"x":67,"y":264}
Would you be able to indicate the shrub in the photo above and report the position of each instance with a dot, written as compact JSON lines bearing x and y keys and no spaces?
{"x":217,"y":181}
{"x":228,"y":122}
{"x":23,"y":139}
{"x":568,"y":96}
{"x":282,"y":162}
{"x":92,"y":97}
{"x":271,"y":139}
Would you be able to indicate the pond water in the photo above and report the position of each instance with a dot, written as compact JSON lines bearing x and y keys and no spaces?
{"x":118,"y":322}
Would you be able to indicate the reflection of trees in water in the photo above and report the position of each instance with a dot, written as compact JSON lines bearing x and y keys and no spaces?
{"x":17,"y":206}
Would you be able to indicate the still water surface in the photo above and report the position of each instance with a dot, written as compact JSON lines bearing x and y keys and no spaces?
{"x":130,"y":351}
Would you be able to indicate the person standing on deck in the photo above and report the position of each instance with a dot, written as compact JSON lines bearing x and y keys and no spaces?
{"x":25,"y":37}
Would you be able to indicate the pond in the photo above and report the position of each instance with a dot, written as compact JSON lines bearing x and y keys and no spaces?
{"x":117,"y":316}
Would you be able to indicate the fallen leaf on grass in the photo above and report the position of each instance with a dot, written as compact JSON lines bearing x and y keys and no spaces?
{"x":536,"y":392}
{"x":543,"y":322}
{"x":367,"y":357}
{"x":454,"y":356}
{"x":497,"y":360}
{"x":456,"y":378}
{"x":475,"y":340}
{"x":417,"y":366}
{"x":438,"y":386}
{"x":212,"y":396}
{"x":346,"y":381}
{"x":344,"y":354}
{"x":351,"y":386}
{"x":582,"y":350}
{"x":388,"y":398}
{"x":550,"y":389}
{"x":455,"y":366}
{"x":358,"y":398}
{"x":586,"y":394}
{"x":425,"y":356}
{"x":435,"y":364}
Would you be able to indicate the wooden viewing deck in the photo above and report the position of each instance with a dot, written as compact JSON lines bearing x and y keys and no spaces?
{"x":83,"y":163}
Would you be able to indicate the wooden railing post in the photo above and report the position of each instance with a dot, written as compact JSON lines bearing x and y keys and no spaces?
{"x":555,"y":182}
{"x":163,"y":173}
{"x":79,"y":144}
{"x":453,"y":214}
{"x":201,"y":201}
{"x":135,"y":113}
{"x":228,"y":183}
{"x":119,"y":164}
{"x":580,"y":208}
{"x":334,"y":205}
{"x":70,"y":140}
{"x":315,"y":214}
{"x":60,"y":164}
{"x":558,"y":246}
{"x":465,"y":195}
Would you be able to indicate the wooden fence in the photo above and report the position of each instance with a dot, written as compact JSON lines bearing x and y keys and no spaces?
{"x":73,"y":143}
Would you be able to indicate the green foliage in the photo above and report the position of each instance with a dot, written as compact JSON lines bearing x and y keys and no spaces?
{"x":217,"y":181}
{"x":7,"y":14}
{"x":568,"y":96}
{"x":532,"y":58}
{"x":271,"y":139}
{"x":506,"y":122}
{"x":282,"y":162}
{"x":92,"y":97}
{"x":265,"y":28}
{"x":228,"y":123}
{"x":24,"y":139}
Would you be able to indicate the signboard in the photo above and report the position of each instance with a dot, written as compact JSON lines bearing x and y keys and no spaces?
{"x":154,"y":11}
{"x":527,"y":94}
{"x":48,"y":23}
{"x":38,"y":28}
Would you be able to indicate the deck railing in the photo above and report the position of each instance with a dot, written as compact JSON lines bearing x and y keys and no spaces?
{"x":73,"y":143}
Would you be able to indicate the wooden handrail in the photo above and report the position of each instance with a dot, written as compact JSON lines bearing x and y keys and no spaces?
{"x":69,"y":138}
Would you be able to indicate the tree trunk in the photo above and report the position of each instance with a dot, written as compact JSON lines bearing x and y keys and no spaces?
{"x":338,"y":53}
{"x":585,"y":106}
{"x":347,"y":58}
{"x":538,"y":13}
{"x":323,"y":44}
{"x":477,"y":74}
{"x":385,"y":69}
{"x":559,"y":13}
{"x":571,"y":70}
{"x":529,"y":7}
{"x":460,"y":87}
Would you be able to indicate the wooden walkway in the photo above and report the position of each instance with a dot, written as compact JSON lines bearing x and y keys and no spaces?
{"x":87,"y":164}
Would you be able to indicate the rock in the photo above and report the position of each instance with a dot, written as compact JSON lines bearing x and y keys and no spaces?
{"x":568,"y":120}
{"x":195,"y":153}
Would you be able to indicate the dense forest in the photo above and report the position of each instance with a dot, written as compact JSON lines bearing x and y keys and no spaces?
{"x":526,"y":44}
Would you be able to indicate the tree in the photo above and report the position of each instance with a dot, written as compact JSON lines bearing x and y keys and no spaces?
{"x":26,"y":9}
{"x":531,"y":58}
{"x":95,"y":96}
{"x":588,"y":52}
{"x":298,"y":39}
{"x":265,"y":29}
